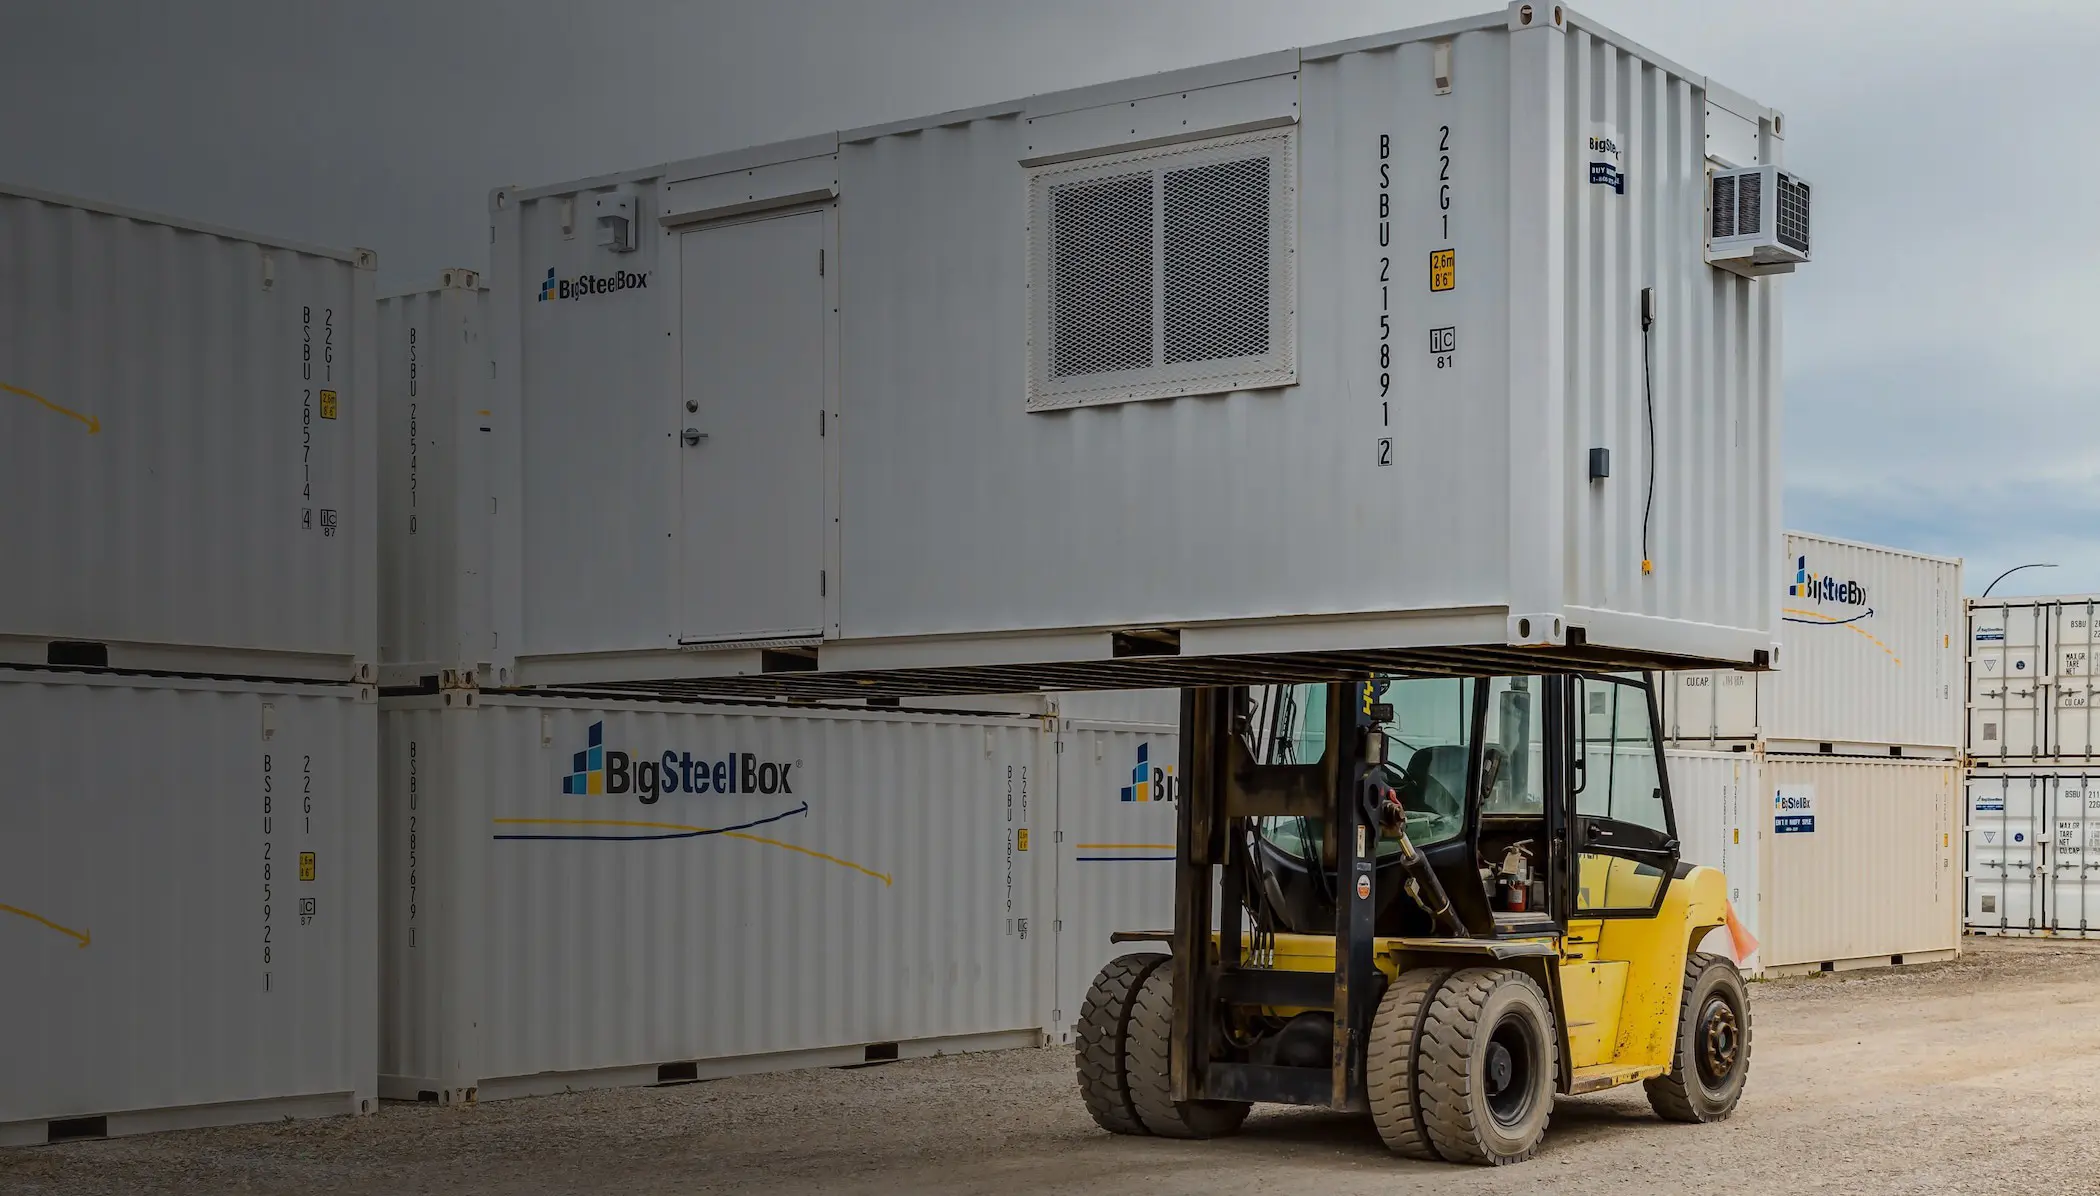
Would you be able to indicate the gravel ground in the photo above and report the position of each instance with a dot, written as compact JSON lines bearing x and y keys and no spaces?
{"x":1974,"y":1076}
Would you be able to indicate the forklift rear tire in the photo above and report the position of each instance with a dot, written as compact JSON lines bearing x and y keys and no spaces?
{"x":1485,"y":1067}
{"x":1104,"y":1023}
{"x":1145,"y":1068}
{"x":1712,"y":1060}
{"x":1389,"y":1072}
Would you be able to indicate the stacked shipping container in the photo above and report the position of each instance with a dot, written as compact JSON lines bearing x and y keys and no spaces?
{"x":187,"y":855}
{"x":1857,"y":738}
{"x":2032,"y":798}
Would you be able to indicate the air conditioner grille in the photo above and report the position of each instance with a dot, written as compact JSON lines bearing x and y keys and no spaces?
{"x":1793,"y":213}
{"x":1724,"y":207}
{"x":1750,"y":204}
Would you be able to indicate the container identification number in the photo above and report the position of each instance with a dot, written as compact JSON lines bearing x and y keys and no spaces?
{"x":1385,"y":298}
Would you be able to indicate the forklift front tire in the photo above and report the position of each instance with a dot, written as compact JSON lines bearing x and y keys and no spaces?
{"x":1145,"y":1068}
{"x":1104,"y":1024}
{"x":1486,"y":1065}
{"x":1389,"y":1072}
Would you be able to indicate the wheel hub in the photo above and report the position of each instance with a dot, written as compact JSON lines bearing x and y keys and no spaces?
{"x":1498,"y":1068}
{"x":1720,"y":1041}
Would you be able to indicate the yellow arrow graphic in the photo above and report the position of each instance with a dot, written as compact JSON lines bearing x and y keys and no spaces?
{"x":93,"y":425}
{"x":68,"y":931}
{"x":1854,"y":627}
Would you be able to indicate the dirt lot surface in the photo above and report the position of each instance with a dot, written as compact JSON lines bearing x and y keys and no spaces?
{"x":1976,"y":1076}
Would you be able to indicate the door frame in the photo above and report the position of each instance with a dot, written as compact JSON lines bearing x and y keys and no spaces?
{"x":1642,"y":845}
{"x":671,"y":263}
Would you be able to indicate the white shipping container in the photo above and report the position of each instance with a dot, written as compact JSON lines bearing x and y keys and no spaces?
{"x":1719,"y":801}
{"x":187,"y":885}
{"x":580,"y":895}
{"x":1116,"y":792}
{"x":192,"y":445}
{"x":2033,"y":852}
{"x":2033,"y":688}
{"x":1867,"y":659}
{"x":1859,"y":868}
{"x":1306,"y":353}
{"x":434,"y":504}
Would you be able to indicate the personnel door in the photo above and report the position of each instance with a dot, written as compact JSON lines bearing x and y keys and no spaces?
{"x":752,"y":316}
{"x":1625,"y":840}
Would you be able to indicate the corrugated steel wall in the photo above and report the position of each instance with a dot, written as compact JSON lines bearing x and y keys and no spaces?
{"x":1718,"y":798}
{"x":1115,"y":850}
{"x":1877,"y":876}
{"x":434,"y":500}
{"x":163,"y":949}
{"x":881,"y":896}
{"x":1868,"y":657}
{"x":1713,"y":530}
{"x":162,"y":399}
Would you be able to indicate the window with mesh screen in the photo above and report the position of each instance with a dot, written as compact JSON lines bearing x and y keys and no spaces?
{"x":1163,"y":272}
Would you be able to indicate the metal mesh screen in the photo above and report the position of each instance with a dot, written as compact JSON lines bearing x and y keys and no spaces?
{"x":1215,"y":261}
{"x":1101,"y":275}
{"x":1750,"y":203}
{"x":1724,"y":207}
{"x":1793,"y":213}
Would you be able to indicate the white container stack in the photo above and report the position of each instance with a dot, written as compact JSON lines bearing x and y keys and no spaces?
{"x":1856,"y":737}
{"x":1867,"y":661}
{"x":2033,"y":792}
{"x":187,"y":864}
{"x":1386,"y":278}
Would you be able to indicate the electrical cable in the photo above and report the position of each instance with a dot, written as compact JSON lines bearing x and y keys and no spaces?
{"x":1648,"y":397}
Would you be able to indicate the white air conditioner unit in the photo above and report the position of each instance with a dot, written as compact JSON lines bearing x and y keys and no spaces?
{"x":1756,"y":220}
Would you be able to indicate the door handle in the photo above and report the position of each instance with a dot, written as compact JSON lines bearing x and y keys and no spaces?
{"x":692,"y":436}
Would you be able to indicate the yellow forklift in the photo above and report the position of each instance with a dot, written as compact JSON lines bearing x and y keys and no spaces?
{"x":1439,"y":900}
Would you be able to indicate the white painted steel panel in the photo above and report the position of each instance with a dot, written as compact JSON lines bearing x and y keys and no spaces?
{"x":1115,"y":852}
{"x":752,"y":320}
{"x":1876,"y":877}
{"x":1867,"y":657}
{"x":1718,"y":798}
{"x":2008,"y":680}
{"x":166,"y":955}
{"x":191,"y":436}
{"x":972,"y":532}
{"x":435,"y":426}
{"x":1152,"y":707}
{"x":878,"y":893}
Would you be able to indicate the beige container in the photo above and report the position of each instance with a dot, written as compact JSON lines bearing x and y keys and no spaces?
{"x":1859,"y":863}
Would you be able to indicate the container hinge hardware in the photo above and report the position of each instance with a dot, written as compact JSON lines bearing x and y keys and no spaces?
{"x":269,"y":721}
{"x":820,"y":262}
{"x":269,"y":267}
{"x":823,"y":583}
{"x":1442,"y":62}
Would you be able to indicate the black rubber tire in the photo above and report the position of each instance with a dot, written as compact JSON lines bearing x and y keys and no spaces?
{"x":1470,"y":1011}
{"x":1697,"y":1088}
{"x":1104,"y":1022}
{"x":1145,"y":1068}
{"x":1389,"y":1071}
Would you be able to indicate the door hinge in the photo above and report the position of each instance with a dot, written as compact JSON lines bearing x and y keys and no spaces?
{"x":823,"y":583}
{"x":822,"y":424}
{"x":820,"y":263}
{"x":1057,"y":927}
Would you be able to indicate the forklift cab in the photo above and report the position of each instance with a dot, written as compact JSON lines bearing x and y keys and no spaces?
{"x":1464,"y":769}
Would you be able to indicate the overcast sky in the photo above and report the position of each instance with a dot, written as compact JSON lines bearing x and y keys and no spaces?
{"x":1942,"y":359}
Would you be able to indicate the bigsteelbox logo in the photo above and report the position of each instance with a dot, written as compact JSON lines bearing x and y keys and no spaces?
{"x":583,"y":285}
{"x":613,"y":772}
{"x":1820,"y":588}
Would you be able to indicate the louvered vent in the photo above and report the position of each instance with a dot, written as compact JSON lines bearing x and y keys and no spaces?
{"x":1163,"y":272}
{"x":1750,"y":203}
{"x":1793,"y":213}
{"x":1724,"y":206}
